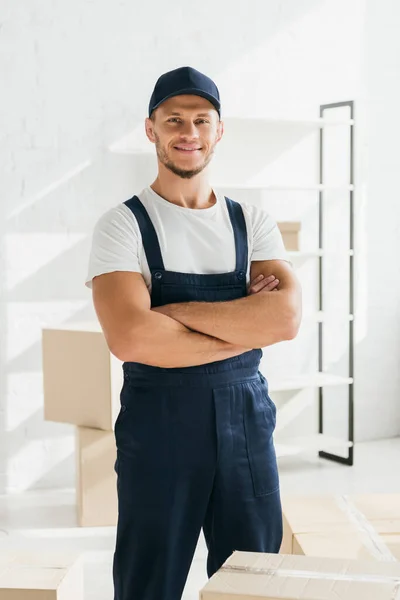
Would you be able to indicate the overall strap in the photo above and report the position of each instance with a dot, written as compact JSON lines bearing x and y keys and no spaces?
{"x":240,"y":232}
{"x":149,"y":235}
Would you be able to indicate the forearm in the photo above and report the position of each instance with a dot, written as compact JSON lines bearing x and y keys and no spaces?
{"x":253,"y":321}
{"x":158,"y":340}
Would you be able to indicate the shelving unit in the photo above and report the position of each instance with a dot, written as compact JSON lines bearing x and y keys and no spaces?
{"x":349,"y":459}
{"x":324,"y":444}
{"x":313,"y":380}
{"x":245,"y":130}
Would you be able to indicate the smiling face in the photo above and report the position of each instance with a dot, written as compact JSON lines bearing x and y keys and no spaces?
{"x":185,"y":130}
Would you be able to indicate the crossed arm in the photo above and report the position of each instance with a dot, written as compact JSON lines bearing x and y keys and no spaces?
{"x":194,"y":333}
{"x":254,"y":321}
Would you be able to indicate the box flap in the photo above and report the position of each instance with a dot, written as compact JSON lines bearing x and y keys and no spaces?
{"x":288,"y":226}
{"x":250,"y":575}
{"x":314,"y":513}
{"x":378,"y":506}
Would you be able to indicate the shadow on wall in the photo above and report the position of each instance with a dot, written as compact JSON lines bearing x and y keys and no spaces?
{"x":48,"y":218}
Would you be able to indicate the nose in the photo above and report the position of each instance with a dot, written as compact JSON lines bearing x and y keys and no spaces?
{"x":189,"y":130}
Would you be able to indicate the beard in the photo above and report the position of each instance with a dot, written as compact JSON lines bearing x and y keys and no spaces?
{"x":163,"y":157}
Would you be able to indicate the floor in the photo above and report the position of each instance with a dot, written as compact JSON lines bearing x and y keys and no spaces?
{"x":45,"y":520}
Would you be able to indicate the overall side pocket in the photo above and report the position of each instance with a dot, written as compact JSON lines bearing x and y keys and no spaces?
{"x":266,"y":397}
{"x":259,"y":422}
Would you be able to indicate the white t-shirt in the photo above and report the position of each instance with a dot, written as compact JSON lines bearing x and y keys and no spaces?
{"x":191,"y":240}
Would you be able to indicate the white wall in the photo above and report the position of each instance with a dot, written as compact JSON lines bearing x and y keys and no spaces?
{"x":77,"y":77}
{"x":378,"y":348}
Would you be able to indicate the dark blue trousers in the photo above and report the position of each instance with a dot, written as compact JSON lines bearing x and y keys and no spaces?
{"x":194,"y":450}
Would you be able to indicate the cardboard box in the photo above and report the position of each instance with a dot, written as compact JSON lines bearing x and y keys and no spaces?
{"x":359,"y":526}
{"x":290,"y":234}
{"x":82,"y":380}
{"x":39,"y":576}
{"x":252,"y":575}
{"x":96,"y":479}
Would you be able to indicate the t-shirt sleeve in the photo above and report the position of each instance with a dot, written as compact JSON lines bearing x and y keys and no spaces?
{"x":267,"y":238}
{"x":115,"y":244}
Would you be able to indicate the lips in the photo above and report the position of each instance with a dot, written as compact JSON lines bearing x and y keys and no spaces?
{"x":187,"y":148}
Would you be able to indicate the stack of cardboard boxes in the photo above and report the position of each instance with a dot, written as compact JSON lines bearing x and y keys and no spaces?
{"x":40,"y":576}
{"x":290,"y":231}
{"x":333,"y":548}
{"x":82,"y":384}
{"x":360,"y":526}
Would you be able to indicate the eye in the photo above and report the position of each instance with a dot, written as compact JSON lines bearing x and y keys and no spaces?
{"x":177,"y":120}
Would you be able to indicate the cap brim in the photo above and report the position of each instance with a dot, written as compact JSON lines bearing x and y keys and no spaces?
{"x":193,"y":92}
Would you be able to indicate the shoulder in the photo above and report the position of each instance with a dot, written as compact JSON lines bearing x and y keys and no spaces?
{"x":119,"y":218}
{"x":119,"y":214}
{"x":258,"y":217}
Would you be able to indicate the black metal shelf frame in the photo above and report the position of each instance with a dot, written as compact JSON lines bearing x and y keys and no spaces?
{"x":349,"y":459}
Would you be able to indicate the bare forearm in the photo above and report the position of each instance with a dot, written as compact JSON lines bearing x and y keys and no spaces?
{"x":253,"y":321}
{"x":158,"y":340}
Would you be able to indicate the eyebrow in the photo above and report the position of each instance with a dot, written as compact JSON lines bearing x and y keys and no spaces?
{"x":178,"y":114}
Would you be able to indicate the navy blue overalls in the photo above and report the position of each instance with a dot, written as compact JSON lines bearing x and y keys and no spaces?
{"x":194,"y":446}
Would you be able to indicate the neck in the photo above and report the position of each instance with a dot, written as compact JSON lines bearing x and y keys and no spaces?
{"x":193,"y":193}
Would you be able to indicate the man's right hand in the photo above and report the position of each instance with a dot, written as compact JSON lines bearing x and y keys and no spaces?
{"x":268,"y":284}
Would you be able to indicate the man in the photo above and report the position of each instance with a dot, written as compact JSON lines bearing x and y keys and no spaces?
{"x":178,"y":291}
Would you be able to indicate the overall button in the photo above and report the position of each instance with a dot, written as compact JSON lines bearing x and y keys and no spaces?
{"x":158,"y":275}
{"x":241,"y":275}
{"x":123,"y":407}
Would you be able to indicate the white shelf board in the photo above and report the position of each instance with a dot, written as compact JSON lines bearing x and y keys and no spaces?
{"x":304,"y":253}
{"x":307,"y":381}
{"x":309,"y":318}
{"x":318,"y":441}
{"x":317,"y":253}
{"x":316,"y":123}
{"x":320,"y":316}
{"x":281,"y":187}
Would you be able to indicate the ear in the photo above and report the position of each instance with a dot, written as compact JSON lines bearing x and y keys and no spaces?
{"x":149,"y":127}
{"x":220,"y":130}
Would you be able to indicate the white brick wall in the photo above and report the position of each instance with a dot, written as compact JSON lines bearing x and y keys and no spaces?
{"x":77,"y":76}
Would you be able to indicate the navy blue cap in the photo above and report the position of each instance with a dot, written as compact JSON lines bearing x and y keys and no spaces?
{"x":184,"y":80}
